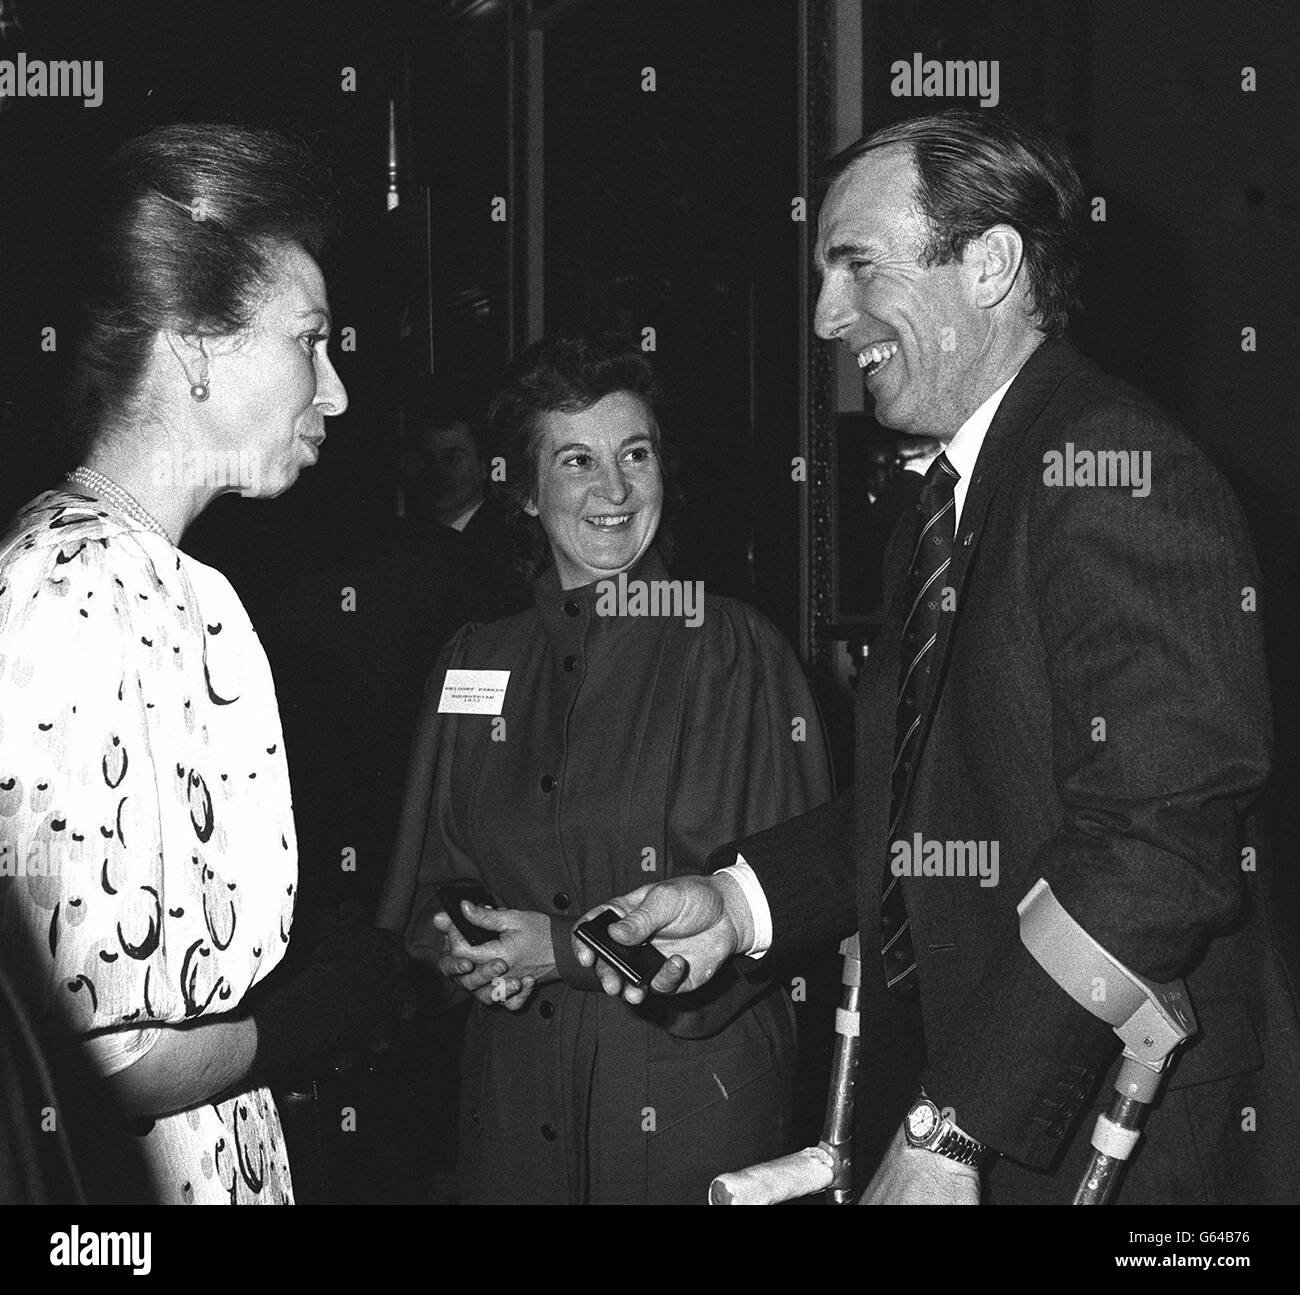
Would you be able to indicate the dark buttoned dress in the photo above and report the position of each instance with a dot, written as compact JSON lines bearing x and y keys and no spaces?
{"x":626,"y":748}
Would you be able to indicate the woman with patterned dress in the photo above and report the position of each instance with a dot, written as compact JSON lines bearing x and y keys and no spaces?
{"x":617,"y":748}
{"x":148,"y":860}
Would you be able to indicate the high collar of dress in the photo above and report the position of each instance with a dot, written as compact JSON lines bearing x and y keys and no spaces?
{"x":567,"y":613}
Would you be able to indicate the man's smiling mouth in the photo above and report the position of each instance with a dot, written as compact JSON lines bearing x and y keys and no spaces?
{"x":610,"y":522}
{"x":873,"y":358}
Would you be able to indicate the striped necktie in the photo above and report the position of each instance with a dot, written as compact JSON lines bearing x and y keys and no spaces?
{"x":926,"y":581}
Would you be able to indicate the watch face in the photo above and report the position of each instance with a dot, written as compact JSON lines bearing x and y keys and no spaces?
{"x":922,"y":1120}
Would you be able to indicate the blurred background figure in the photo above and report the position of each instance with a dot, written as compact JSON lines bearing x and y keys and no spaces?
{"x":447,"y":482}
{"x":457,"y":473}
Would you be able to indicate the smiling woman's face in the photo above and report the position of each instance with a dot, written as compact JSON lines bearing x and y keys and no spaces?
{"x":599,"y":487}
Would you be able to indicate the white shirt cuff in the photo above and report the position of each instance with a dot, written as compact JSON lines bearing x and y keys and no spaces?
{"x":761,"y":913}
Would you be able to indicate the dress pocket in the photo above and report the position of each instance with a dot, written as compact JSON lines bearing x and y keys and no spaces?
{"x":689,"y":1076}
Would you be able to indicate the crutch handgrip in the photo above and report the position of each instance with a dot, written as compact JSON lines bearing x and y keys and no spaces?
{"x":801,"y":1174}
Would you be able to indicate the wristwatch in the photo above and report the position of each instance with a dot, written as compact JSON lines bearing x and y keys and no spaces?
{"x":929,"y":1129}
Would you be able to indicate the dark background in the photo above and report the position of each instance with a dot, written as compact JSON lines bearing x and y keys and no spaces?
{"x":670,"y":211}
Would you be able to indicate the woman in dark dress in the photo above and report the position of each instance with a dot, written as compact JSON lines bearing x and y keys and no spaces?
{"x":612,"y":748}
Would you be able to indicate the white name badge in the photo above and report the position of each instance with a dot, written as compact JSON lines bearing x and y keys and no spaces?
{"x":473,"y":692}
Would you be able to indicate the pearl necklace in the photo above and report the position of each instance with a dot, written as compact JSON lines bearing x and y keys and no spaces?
{"x":113,"y":494}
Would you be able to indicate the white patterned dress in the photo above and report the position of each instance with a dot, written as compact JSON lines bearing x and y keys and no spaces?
{"x":148,"y":862}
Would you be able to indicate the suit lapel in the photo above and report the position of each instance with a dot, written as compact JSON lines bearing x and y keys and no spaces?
{"x":1033,"y":387}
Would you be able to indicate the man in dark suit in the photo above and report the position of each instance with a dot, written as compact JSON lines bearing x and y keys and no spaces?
{"x":1069,"y":685}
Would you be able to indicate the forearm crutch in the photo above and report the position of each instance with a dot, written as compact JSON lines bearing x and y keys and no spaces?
{"x":1151,"y":1021}
{"x":828,"y":1166}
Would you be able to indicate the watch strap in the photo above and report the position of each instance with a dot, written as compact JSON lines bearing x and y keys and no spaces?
{"x":961,"y":1148}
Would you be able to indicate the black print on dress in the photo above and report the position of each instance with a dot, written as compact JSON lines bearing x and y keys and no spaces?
{"x":115,"y":771}
{"x":147,"y":947}
{"x":212,"y":694}
{"x":254,"y":1178}
{"x":200,"y":805}
{"x":210,"y":914}
{"x":75,"y":985}
{"x":190,"y":967}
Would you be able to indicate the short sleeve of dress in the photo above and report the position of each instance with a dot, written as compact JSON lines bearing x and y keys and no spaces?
{"x":79,"y":800}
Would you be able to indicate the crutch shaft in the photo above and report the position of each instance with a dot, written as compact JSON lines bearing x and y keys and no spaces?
{"x":837,"y":1129}
{"x":1112,"y":1140}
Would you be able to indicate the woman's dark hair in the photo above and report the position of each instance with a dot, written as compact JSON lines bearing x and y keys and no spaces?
{"x":566,"y":373}
{"x":188,"y":224}
{"x":976,"y":169}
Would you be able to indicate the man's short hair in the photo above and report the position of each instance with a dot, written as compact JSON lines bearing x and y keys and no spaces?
{"x":977,"y":169}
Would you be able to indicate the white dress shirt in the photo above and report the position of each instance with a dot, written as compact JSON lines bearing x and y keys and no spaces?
{"x":962,"y":452}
